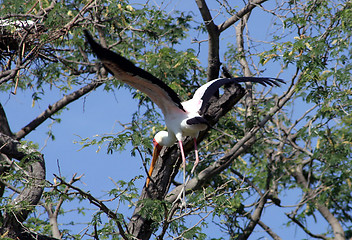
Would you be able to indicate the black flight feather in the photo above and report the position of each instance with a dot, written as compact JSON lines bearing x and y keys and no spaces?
{"x":127,"y":66}
{"x":196,"y":120}
{"x":212,"y":88}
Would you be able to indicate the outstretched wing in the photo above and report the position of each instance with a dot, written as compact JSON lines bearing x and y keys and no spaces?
{"x":125,"y":71}
{"x":203,"y":94}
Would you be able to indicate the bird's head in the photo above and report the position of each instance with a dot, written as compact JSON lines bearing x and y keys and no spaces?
{"x":162,"y":138}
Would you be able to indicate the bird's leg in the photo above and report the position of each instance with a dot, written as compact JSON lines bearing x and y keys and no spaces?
{"x":197,"y":156}
{"x":184,"y":170}
{"x":194,"y":166}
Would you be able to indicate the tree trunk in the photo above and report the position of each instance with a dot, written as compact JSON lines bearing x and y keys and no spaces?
{"x":29,"y":197}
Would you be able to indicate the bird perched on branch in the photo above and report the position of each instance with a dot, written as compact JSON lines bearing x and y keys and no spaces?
{"x":182,"y":118}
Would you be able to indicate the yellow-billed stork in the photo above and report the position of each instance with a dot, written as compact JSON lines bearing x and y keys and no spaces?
{"x":182,"y":118}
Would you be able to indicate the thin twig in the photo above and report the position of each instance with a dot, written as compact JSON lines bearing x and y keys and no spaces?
{"x":99,"y":204}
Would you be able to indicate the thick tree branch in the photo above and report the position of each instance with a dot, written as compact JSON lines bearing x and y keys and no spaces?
{"x":214,"y":32}
{"x":319,"y":236}
{"x":339,"y":233}
{"x":5,"y":129}
{"x":245,"y":69}
{"x":4,"y":124}
{"x":31,"y":194}
{"x":254,"y":219}
{"x":240,"y":45}
{"x":52,"y":109}
{"x":213,"y":37}
{"x":53,"y":209}
{"x":268,"y":230}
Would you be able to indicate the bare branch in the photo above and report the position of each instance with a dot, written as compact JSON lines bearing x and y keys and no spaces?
{"x":254,"y":219}
{"x":214,"y":32}
{"x":248,"y":8}
{"x":97,"y":203}
{"x":339,"y":233}
{"x":268,"y":230}
{"x":306,"y":230}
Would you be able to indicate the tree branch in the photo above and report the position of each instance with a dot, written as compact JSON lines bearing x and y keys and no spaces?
{"x":305,"y":229}
{"x":5,"y":129}
{"x":248,"y":8}
{"x":52,"y":109}
{"x":245,"y":69}
{"x":254,"y":219}
{"x":339,"y":233}
{"x":214,"y":42}
{"x":97,"y":203}
{"x":4,"y":124}
{"x":31,"y":194}
{"x":268,"y":230}
{"x":214,"y":32}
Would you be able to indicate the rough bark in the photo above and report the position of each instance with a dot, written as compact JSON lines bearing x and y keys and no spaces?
{"x":28,"y":198}
{"x":214,"y":32}
{"x":214,"y":41}
{"x":5,"y":129}
{"x":4,"y":125}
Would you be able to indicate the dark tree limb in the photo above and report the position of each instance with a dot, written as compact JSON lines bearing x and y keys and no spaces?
{"x":5,"y":129}
{"x":254,"y":219}
{"x":214,"y":32}
{"x":4,"y":124}
{"x":246,"y":9}
{"x":53,"y":209}
{"x":214,"y":42}
{"x":26,"y":200}
{"x":305,"y":229}
{"x":268,"y":230}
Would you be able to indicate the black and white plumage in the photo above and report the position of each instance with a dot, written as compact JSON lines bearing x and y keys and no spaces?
{"x":182,"y":118}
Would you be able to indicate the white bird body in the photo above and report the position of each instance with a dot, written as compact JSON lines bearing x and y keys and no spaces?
{"x":182,"y":118}
{"x":176,"y":120}
{"x":177,"y":124}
